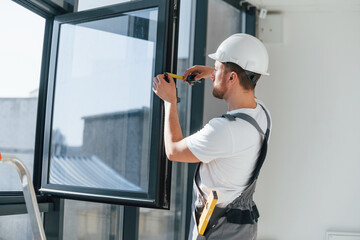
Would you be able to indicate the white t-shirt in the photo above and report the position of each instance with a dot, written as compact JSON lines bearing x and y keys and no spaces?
{"x":228,"y":151}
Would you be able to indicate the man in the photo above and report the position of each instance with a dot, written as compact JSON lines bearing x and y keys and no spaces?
{"x":229,"y":148}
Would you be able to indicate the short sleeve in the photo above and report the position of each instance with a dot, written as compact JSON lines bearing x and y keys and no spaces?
{"x":213,"y":141}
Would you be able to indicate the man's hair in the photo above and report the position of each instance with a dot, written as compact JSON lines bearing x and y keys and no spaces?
{"x":244,"y":81}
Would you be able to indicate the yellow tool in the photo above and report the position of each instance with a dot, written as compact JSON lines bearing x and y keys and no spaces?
{"x":190,"y":79}
{"x":175,"y":76}
{"x":207,"y":212}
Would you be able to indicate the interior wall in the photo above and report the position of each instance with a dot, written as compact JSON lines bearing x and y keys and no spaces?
{"x":310,"y":181}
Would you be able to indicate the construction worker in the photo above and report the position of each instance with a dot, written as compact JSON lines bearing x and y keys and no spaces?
{"x":229,"y":149}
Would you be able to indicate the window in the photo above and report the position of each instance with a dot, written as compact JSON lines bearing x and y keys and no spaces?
{"x":20,"y":63}
{"x":87,"y":220}
{"x":70,"y":152}
{"x":91,"y":4}
{"x":103,"y":129}
{"x":166,"y":225}
{"x":101,"y":114}
{"x":15,"y":227}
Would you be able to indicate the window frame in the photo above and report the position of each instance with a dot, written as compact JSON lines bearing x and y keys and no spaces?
{"x":158,"y":195}
{"x":14,"y":200}
{"x":46,"y":8}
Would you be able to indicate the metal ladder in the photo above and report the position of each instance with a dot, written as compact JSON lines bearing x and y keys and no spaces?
{"x":29,"y":195}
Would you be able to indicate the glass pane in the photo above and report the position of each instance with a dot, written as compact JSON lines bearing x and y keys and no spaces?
{"x":157,"y":224}
{"x":218,"y":29}
{"x":15,"y":227}
{"x":20,"y":62}
{"x":101,"y":116}
{"x":90,"y":4}
{"x":86,"y":220}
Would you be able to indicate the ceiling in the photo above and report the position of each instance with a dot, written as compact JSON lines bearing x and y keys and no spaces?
{"x":307,"y":4}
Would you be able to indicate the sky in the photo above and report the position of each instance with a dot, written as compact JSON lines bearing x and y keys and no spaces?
{"x":21,"y":41}
{"x":84,"y":59}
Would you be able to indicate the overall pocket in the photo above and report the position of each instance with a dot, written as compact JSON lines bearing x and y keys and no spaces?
{"x":224,"y":230}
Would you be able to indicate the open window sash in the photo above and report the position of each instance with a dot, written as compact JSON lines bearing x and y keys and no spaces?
{"x":103,"y":133}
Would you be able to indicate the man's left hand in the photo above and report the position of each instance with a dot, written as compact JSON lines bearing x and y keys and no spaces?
{"x":165,"y":90}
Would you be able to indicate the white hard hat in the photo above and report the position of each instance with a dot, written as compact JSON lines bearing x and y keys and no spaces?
{"x":246,"y":51}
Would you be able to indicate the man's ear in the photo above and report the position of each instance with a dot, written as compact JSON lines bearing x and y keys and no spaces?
{"x":232,"y":77}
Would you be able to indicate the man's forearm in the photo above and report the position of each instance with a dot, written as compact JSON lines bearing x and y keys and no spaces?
{"x":172,"y":128}
{"x":175,"y":146}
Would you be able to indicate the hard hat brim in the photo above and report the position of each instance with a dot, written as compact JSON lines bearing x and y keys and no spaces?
{"x":213,"y":56}
{"x":216,"y":58}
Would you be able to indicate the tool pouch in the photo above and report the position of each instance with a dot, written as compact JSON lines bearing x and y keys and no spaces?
{"x":230,"y":231}
{"x":237,"y":221}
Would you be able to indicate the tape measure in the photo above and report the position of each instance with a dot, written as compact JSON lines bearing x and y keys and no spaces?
{"x":190,"y":79}
{"x":175,"y":76}
{"x":207,"y":212}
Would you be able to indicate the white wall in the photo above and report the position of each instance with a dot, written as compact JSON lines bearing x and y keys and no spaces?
{"x":310,"y":182}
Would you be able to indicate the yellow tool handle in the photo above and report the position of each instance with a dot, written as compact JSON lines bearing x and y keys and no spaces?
{"x":175,"y":76}
{"x":207,"y":212}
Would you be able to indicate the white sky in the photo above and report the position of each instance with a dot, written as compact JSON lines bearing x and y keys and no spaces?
{"x":21,"y":42}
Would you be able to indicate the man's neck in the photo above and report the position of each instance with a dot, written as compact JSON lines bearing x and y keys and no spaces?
{"x":245,"y":100}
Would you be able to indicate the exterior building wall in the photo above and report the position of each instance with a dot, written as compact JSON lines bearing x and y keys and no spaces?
{"x":17,"y":138}
{"x":120,"y":140}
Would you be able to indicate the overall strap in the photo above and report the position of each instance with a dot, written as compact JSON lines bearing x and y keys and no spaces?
{"x":245,"y":117}
{"x":200,"y":193}
{"x":261,"y":158}
{"x":253,"y":122}
{"x":238,"y":216}
{"x":263,"y":150}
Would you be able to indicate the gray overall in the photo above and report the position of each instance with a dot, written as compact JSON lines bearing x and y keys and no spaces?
{"x":238,"y":220}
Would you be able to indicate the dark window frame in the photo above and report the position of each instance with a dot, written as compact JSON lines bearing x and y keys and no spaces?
{"x":158,"y":195}
{"x":14,"y":200}
{"x":47,"y":8}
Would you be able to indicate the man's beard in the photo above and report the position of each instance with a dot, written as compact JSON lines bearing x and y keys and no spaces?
{"x":220,"y":92}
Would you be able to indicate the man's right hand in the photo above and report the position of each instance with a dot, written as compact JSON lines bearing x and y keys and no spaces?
{"x":199,"y":71}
